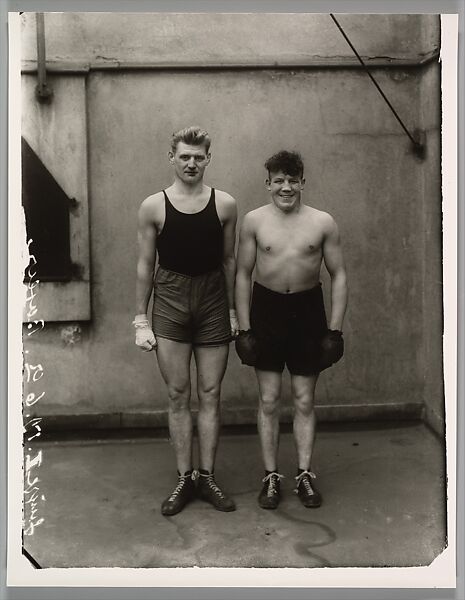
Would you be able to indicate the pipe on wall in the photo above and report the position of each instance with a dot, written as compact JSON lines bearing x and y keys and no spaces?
{"x":43,"y":91}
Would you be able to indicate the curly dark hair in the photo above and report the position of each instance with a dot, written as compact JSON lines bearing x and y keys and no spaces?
{"x":290,"y":163}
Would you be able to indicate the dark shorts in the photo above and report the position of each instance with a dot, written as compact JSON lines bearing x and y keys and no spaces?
{"x":192,"y":310}
{"x":288,"y":328}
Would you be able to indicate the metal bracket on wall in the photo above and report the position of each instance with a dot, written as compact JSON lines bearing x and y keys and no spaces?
{"x":43,"y":91}
{"x":418,"y":138}
{"x":77,"y":271}
{"x":74,"y":205}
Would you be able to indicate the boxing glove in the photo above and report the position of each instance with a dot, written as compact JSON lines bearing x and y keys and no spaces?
{"x":145,"y":338}
{"x":332,"y":348}
{"x":247,"y":347}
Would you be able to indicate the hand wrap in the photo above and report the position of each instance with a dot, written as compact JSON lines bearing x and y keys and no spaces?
{"x":247,"y":347}
{"x":145,"y":338}
{"x":234,"y":323}
{"x":332,"y":348}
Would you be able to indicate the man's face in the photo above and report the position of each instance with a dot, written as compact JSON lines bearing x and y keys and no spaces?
{"x":285,"y":190}
{"x":189,"y":162}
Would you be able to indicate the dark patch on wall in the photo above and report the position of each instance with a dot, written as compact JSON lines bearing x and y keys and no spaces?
{"x":46,"y":208}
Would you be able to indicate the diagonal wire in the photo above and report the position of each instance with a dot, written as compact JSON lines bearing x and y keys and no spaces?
{"x":417,"y":145}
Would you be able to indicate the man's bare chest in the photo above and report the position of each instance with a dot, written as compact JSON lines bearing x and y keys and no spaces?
{"x":276,"y":240}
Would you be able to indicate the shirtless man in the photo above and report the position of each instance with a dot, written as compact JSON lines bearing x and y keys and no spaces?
{"x":192,"y":227}
{"x":282,"y":318}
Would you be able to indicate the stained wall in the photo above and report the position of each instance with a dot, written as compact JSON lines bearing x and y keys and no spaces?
{"x":272,"y":82}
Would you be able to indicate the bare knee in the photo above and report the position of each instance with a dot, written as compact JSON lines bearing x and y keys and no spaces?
{"x":209,"y":396}
{"x":179,"y":397}
{"x":269,"y":403}
{"x":303,"y":404}
{"x":210,"y":391}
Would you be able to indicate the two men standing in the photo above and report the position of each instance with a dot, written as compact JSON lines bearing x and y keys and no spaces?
{"x":281,"y":320}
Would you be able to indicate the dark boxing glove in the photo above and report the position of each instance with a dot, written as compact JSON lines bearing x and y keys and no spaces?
{"x":247,"y":347}
{"x":332,"y":348}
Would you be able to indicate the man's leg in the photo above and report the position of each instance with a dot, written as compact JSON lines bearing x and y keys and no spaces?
{"x":269,"y":384}
{"x":174,"y":362}
{"x":303,"y":394}
{"x":211,"y":364}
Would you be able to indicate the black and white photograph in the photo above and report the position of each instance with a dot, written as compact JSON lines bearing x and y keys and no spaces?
{"x":232,"y":284}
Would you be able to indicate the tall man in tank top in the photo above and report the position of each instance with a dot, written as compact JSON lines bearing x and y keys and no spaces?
{"x":192,"y":229}
{"x":282,"y":317}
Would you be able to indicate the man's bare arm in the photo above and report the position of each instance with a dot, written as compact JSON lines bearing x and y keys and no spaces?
{"x":229,"y":209}
{"x":332,"y":254}
{"x":246,"y":257}
{"x":147,"y":238}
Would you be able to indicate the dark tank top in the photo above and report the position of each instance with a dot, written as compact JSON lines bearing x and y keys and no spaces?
{"x":191,"y":244}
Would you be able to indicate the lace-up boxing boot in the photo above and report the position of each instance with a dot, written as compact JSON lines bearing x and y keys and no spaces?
{"x":209,"y":491}
{"x":308,"y":494}
{"x":183,"y":493}
{"x":270,"y":494}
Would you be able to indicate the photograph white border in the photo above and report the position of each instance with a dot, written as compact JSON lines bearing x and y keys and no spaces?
{"x":441,"y":573}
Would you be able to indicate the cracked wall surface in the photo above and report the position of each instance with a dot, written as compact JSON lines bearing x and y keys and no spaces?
{"x":208,"y":38}
{"x":359,"y":167}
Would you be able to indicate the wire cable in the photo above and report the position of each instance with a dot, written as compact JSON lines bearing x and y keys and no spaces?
{"x":419,"y":148}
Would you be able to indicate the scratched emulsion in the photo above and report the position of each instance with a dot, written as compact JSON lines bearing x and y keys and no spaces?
{"x":33,"y":392}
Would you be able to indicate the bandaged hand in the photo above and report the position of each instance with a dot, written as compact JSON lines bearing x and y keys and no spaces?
{"x":233,"y":322}
{"x":145,"y":338}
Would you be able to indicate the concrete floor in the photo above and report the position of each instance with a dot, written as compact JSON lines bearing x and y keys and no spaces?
{"x":383,"y":504}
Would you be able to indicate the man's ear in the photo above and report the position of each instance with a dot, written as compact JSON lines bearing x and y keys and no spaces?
{"x":302,"y":183}
{"x":170,"y":156}
{"x":208,"y":157}
{"x":267,"y":183}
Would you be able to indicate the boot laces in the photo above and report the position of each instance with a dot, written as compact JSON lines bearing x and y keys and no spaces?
{"x":272,"y":479}
{"x":304,"y":478}
{"x":181,"y":483}
{"x":212,"y":484}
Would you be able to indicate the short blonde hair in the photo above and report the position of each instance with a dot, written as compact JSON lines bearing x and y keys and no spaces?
{"x":193,"y":135}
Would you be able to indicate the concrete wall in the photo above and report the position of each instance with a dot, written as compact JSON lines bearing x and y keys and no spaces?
{"x":359,"y":167}
{"x":432,"y":227}
{"x":161,"y":38}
